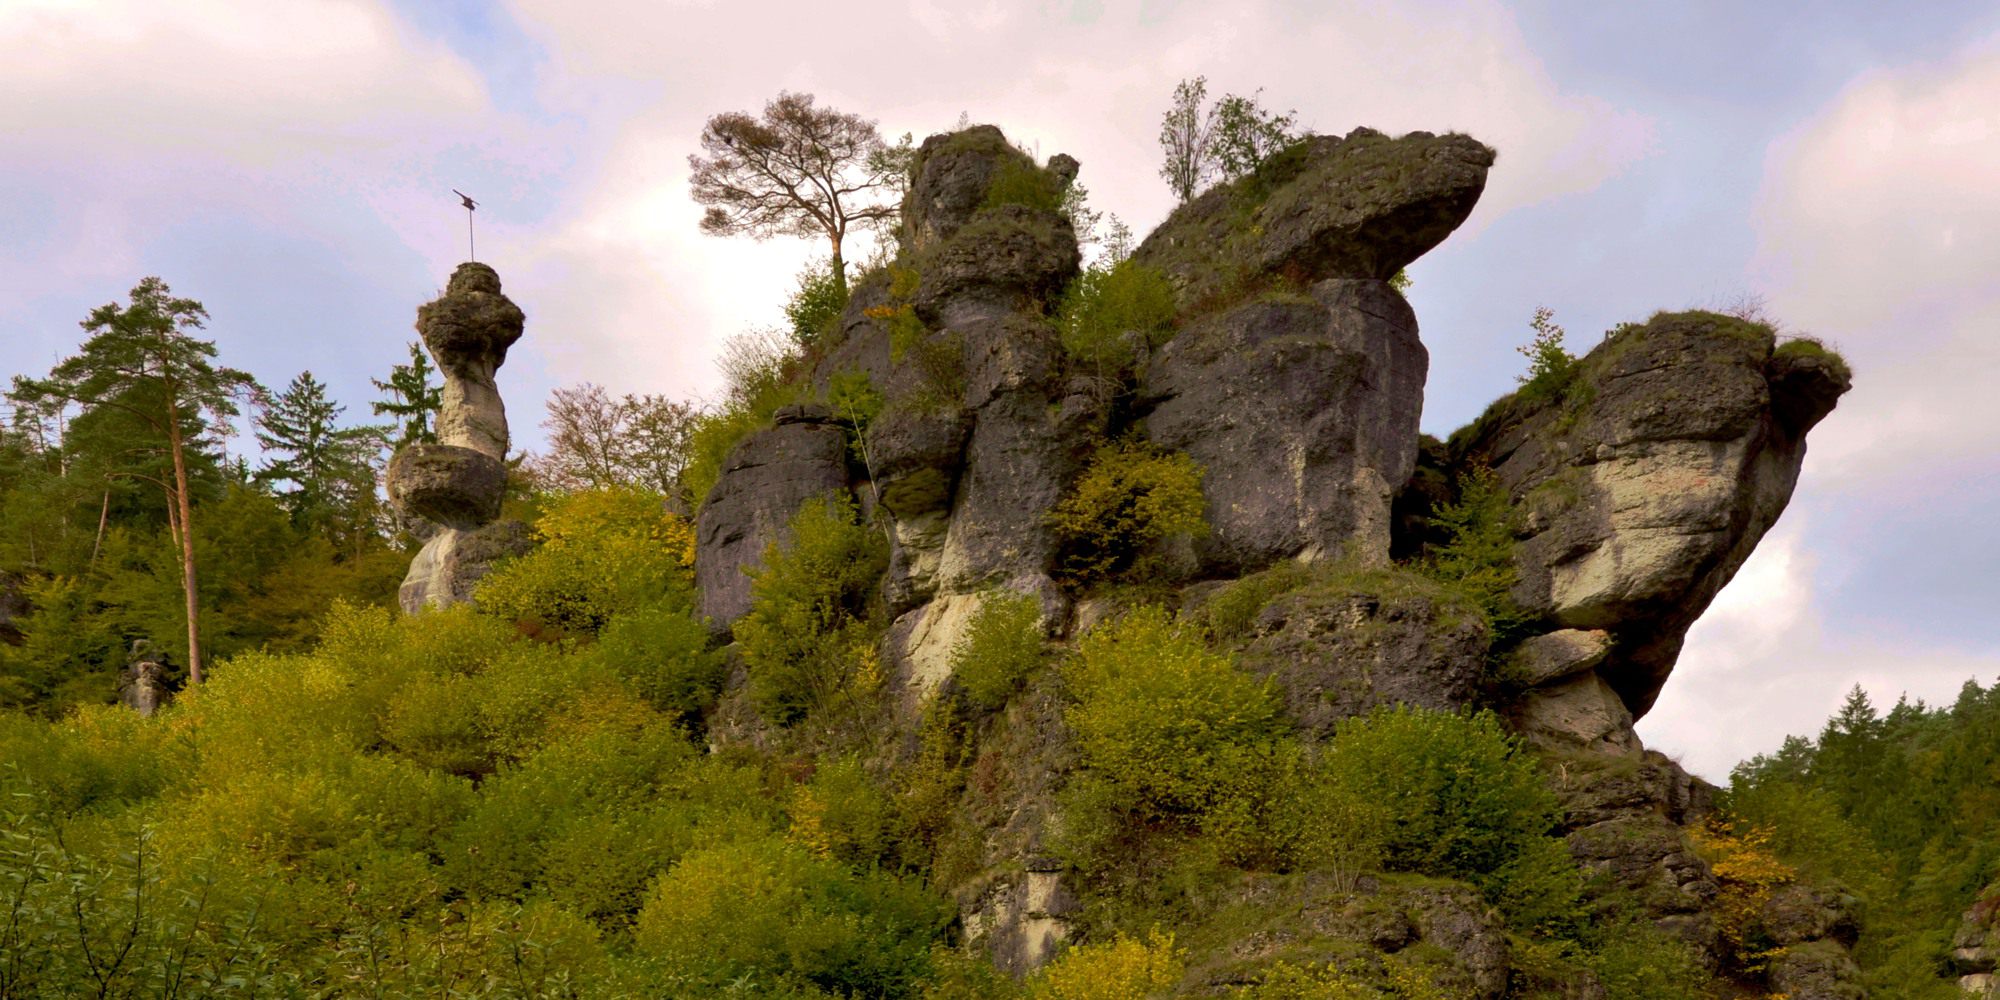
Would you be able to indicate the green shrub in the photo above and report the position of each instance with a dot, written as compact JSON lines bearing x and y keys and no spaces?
{"x":604,"y":552}
{"x":1017,"y":181}
{"x":1171,"y":727}
{"x":1400,"y":980}
{"x":808,"y":624}
{"x":1552,"y":368}
{"x":1459,"y":798}
{"x":844,"y":813}
{"x":664,"y":654}
{"x":1232,"y":610}
{"x":1638,"y":961}
{"x":1131,"y":498}
{"x":814,"y":308}
{"x":770,"y":912}
{"x":1001,"y":647}
{"x":1477,"y":556}
{"x":1104,"y":304}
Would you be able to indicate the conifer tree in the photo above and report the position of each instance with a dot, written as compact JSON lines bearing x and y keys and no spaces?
{"x":413,"y":398}
{"x":321,"y":474}
{"x":141,"y":360}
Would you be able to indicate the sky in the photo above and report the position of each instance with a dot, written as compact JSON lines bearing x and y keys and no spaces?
{"x":289,"y":164}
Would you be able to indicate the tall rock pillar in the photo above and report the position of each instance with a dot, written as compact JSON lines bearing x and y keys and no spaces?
{"x":459,"y":481}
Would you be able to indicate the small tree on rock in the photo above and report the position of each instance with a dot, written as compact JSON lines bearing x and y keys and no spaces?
{"x":798,"y":170}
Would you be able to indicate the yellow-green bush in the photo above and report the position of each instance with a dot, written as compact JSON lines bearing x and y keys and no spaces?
{"x":1131,"y":498}
{"x":604,"y":552}
{"x":663,"y":653}
{"x":1103,"y":305}
{"x":808,"y":628}
{"x":1174,"y":728}
{"x":1123,"y":968}
{"x":1001,"y":647}
{"x":1458,"y":797}
{"x":771,"y":912}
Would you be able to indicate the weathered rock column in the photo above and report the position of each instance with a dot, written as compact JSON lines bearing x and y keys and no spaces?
{"x":459,"y":481}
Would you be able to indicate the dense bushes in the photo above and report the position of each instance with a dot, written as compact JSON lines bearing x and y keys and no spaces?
{"x":603,"y":553}
{"x":1000,"y":648}
{"x":1131,"y":499}
{"x":1105,"y":305}
{"x":808,"y":630}
{"x":769,"y":911}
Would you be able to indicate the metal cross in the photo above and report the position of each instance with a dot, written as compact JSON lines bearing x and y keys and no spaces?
{"x":470,"y":207}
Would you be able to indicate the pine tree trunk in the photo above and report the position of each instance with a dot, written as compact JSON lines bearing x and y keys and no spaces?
{"x":195,"y":674}
{"x":103,"y":518}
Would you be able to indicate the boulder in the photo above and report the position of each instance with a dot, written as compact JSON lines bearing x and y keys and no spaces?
{"x":1010,"y":254}
{"x":1797,"y":914}
{"x":1556,"y":655}
{"x":765,"y":481}
{"x":145,"y":685}
{"x":1302,"y":411}
{"x":452,"y":486}
{"x":1648,"y":478}
{"x":949,"y":181}
{"x":460,"y":481}
{"x":1360,"y":206}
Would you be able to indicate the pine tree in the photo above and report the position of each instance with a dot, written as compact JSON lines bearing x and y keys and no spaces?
{"x":321,"y":474}
{"x":141,"y":360}
{"x":414,"y":399}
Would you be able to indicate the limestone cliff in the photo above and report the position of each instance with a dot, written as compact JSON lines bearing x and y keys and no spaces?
{"x":1293,"y":377}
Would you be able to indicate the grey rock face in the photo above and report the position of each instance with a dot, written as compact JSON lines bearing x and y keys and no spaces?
{"x":1012,"y":255}
{"x":454,"y":560}
{"x":459,"y":482}
{"x":952,"y":175}
{"x":767,"y":478}
{"x":447,"y":484}
{"x":1817,"y":970}
{"x":1360,"y":206}
{"x":146,"y":685}
{"x":1648,"y":483}
{"x":1341,"y":649}
{"x":1303,"y":411}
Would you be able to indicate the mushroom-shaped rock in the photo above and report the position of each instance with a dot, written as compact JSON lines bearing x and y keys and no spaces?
{"x":1360,"y":206}
{"x":460,"y":480}
{"x":468,"y":331}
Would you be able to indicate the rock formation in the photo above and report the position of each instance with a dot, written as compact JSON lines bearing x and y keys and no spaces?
{"x":145,"y":686}
{"x":459,"y":482}
{"x":1297,"y":380}
{"x":1294,"y":378}
{"x":1643,"y":485}
{"x":1975,"y":948}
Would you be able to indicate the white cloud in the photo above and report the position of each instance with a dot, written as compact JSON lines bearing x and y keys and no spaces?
{"x":1878,"y":225}
{"x":1093,"y":87}
{"x":127,"y":119}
